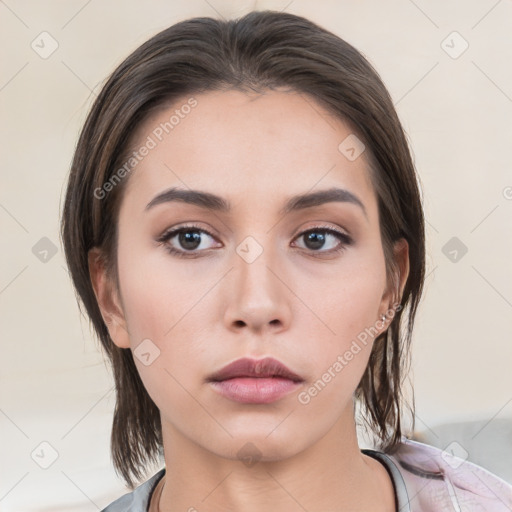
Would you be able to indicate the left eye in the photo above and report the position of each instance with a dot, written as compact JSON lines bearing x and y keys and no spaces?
{"x":318,"y":238}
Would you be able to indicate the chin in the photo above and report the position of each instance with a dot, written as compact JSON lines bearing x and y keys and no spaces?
{"x":252,"y":447}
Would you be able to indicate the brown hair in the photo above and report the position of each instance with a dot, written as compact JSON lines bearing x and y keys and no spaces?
{"x":262,"y":50}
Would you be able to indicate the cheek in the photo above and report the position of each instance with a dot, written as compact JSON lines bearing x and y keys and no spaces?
{"x":348,"y":300}
{"x":339,"y":360}
{"x":162,"y":313}
{"x":155,"y":296}
{"x":347,"y":310}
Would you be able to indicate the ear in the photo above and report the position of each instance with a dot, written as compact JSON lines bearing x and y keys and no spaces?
{"x":396,"y":285}
{"x":107,"y":298}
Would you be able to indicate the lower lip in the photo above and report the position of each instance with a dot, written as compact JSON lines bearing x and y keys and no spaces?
{"x":255,"y":390}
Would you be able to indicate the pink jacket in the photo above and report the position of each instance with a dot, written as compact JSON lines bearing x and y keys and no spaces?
{"x":428,"y":479}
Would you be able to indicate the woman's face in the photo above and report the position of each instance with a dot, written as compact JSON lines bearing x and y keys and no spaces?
{"x":252,"y":279}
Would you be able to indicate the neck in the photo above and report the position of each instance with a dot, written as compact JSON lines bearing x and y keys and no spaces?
{"x":332,"y":474}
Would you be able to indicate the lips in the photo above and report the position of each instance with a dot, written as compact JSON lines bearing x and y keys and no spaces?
{"x":255,"y":368}
{"x":255,"y":381}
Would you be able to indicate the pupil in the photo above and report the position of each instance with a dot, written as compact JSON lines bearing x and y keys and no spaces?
{"x":190,"y":239}
{"x":317,"y":240}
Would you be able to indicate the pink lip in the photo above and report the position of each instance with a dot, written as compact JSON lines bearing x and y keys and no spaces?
{"x":253,"y":390}
{"x":254,"y":381}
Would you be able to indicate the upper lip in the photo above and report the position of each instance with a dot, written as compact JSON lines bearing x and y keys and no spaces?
{"x":247,"y":367}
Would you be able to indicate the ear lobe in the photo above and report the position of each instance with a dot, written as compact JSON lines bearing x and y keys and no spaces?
{"x":108,"y":301}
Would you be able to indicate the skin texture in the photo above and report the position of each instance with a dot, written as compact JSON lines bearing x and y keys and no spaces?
{"x":293,"y":303}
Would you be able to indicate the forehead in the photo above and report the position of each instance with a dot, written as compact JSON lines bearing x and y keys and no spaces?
{"x":243,"y":145}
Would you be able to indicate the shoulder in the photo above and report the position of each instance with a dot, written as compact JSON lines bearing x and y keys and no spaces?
{"x":437,"y":480}
{"x":138,"y":499}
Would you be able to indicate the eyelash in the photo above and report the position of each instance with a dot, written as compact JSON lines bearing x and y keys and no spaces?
{"x":344,"y":239}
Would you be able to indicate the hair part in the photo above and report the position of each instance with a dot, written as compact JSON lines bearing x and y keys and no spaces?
{"x":257,"y":52}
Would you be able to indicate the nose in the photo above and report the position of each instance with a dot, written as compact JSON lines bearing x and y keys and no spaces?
{"x":258,"y":295}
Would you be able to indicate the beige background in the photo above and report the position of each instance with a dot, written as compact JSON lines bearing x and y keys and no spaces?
{"x":457,"y":113}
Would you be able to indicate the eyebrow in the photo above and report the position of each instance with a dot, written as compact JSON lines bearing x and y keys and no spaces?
{"x":213,"y":202}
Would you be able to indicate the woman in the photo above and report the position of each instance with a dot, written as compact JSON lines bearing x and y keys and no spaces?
{"x":244,"y":227}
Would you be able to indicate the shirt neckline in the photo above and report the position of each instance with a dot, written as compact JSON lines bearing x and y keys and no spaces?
{"x":158,"y":478}
{"x":401,"y":496}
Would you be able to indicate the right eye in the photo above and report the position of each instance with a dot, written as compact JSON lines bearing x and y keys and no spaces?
{"x":185,"y":241}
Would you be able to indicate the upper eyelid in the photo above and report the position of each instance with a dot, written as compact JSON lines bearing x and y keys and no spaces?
{"x":174,"y":231}
{"x":322,"y":227}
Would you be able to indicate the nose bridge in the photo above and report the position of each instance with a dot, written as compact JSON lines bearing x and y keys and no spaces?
{"x":258,"y":297}
{"x":253,"y":261}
